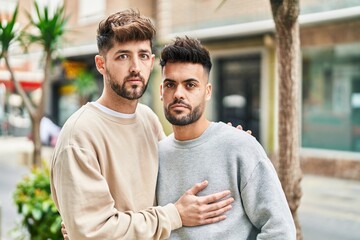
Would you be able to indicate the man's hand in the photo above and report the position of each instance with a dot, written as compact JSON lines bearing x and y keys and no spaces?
{"x":208,"y":209}
{"x":240,"y":128}
{"x":64,"y":232}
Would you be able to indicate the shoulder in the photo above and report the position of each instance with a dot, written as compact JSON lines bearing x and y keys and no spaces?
{"x":166,"y":140}
{"x":81,"y":125}
{"x":147,"y":113}
{"x":238,"y":139}
{"x":149,"y":118}
{"x":83,"y":116}
{"x":230,"y":133}
{"x":166,"y":143}
{"x":145,"y":110}
{"x":77,"y":118}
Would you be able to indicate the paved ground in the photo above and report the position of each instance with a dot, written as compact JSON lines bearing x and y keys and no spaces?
{"x":330,"y":207}
{"x":10,"y":174}
{"x":14,"y":153}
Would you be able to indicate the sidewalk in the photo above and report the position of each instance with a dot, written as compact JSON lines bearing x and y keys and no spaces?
{"x":329,"y":207}
{"x":15,"y":150}
{"x":10,"y":175}
{"x":15,"y":163}
{"x":18,"y":150}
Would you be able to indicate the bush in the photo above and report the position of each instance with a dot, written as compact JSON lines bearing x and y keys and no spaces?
{"x":33,"y":200}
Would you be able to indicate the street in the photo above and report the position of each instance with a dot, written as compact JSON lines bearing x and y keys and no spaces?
{"x":329,"y":210}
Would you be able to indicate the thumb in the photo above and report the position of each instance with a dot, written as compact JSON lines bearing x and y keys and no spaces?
{"x":198,"y":187}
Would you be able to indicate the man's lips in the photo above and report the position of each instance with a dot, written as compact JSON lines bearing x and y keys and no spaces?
{"x":179,"y":105}
{"x":134,"y":80}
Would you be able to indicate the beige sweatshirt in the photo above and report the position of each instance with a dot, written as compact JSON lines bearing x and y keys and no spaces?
{"x":103,"y":176}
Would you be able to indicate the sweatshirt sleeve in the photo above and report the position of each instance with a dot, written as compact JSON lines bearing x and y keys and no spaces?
{"x":265,"y":203}
{"x":88,"y":210}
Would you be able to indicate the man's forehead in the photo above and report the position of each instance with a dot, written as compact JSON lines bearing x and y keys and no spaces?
{"x":182,"y":67}
{"x":133,"y":46}
{"x":180,"y":71}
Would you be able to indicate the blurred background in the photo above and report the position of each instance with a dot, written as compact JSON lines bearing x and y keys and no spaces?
{"x":240,"y":35}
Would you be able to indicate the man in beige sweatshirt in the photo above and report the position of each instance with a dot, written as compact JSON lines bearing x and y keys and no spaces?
{"x":105,"y":163}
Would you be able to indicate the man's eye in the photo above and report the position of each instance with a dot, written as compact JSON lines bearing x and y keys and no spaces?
{"x":191,"y":85}
{"x":169,"y":85}
{"x":145,"y":56}
{"x":123,"y":56}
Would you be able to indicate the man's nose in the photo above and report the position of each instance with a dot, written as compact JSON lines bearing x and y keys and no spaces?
{"x":135,"y":66}
{"x":179,"y":92}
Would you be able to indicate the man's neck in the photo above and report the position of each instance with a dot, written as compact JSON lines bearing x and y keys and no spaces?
{"x":119,"y":104}
{"x":191,"y":131}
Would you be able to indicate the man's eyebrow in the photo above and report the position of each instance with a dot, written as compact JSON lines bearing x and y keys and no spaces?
{"x":145,"y":51}
{"x":191,"y":80}
{"x":128,"y":51}
{"x":168,"y":80}
{"x":122,"y":51}
{"x":186,"y":80}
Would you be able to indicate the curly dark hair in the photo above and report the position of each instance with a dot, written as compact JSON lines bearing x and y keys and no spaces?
{"x":124,"y":26}
{"x":186,"y":49}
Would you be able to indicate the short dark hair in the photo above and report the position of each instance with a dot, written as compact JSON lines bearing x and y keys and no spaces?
{"x":186,"y":49}
{"x":124,"y":26}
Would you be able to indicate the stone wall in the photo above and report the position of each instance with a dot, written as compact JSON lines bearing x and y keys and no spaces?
{"x":331,"y":167}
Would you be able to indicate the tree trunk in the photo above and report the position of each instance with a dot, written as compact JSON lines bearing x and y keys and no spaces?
{"x":35,"y":130}
{"x":36,"y":119}
{"x":285,"y":15}
{"x":35,"y":115}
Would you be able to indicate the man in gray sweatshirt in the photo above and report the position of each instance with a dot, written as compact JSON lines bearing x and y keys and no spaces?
{"x":228,"y":158}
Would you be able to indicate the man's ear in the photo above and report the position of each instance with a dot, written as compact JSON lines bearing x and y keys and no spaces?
{"x":152,"y":61}
{"x":100,"y":63}
{"x":208,"y":91}
{"x":161,"y":92}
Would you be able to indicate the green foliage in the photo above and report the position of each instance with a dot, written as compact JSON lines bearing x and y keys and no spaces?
{"x":33,"y":200}
{"x":50,"y":27}
{"x":85,"y":84}
{"x":46,"y":29}
{"x":7,"y":33}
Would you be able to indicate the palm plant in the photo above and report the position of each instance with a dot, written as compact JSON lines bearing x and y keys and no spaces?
{"x":9,"y":35}
{"x":49,"y":30}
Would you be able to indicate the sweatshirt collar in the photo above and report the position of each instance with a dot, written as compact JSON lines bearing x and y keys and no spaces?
{"x":205,"y":136}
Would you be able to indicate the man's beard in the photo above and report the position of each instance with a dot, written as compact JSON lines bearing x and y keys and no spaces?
{"x":135,"y":92}
{"x":192,"y":117}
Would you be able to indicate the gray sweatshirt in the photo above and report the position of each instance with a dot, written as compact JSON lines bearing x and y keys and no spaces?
{"x":229,"y":159}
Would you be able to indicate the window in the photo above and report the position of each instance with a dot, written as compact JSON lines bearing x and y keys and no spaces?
{"x":239,"y":91}
{"x":90,"y":11}
{"x":331,"y":97}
